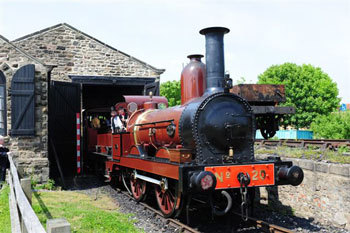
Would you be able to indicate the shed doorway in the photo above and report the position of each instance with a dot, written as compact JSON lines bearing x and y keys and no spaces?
{"x":80,"y":96}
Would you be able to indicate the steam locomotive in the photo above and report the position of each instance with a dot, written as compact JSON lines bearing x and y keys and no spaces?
{"x":205,"y":146}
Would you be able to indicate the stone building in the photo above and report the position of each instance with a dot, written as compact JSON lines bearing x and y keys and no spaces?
{"x":46,"y":78}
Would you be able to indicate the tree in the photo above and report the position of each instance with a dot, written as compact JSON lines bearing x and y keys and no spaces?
{"x":172,"y":91}
{"x":240,"y":80}
{"x":311,"y":91}
{"x":333,"y":126}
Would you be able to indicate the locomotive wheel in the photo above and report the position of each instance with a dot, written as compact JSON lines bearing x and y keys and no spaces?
{"x":138,"y":189}
{"x":169,"y":201}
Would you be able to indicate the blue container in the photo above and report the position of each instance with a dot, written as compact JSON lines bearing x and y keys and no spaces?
{"x":305,"y":134}
{"x":289,"y":134}
{"x":343,"y":107}
{"x":258,"y":135}
{"x":286,"y":134}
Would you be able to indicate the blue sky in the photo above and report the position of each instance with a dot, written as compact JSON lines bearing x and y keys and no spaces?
{"x":163,"y":33}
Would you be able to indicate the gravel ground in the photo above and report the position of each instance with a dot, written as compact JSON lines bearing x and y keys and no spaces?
{"x":297,"y":224}
{"x":146,"y":220}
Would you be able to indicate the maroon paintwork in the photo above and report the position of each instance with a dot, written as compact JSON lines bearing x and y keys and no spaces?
{"x":193,"y":82}
{"x":104,"y":141}
{"x":140,"y":99}
{"x":140,"y":131}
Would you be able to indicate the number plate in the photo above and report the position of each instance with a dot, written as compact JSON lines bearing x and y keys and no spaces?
{"x":226,"y":176}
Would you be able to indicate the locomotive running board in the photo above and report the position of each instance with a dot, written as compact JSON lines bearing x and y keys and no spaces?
{"x":162,"y":169}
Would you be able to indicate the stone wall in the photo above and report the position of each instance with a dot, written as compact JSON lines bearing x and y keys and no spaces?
{"x":30,"y":153}
{"x":324,"y":194}
{"x":76,"y":53}
{"x":73,"y":53}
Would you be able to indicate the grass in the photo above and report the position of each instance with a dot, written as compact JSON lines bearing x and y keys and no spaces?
{"x":84,"y":213}
{"x":49,"y":185}
{"x":318,"y":155}
{"x":5,"y":225}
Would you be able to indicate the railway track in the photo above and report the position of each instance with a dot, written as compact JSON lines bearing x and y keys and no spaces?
{"x":306,"y":143}
{"x":173,"y":222}
{"x":259,"y":224}
{"x":265,"y":226}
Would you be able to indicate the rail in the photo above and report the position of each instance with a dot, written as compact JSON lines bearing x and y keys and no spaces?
{"x":265,"y":226}
{"x":260,"y":224}
{"x":22,"y":215}
{"x":306,"y":143}
{"x":172,"y":222}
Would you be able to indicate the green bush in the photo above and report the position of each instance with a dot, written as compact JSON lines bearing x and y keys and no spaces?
{"x":172,"y":91}
{"x":333,"y":126}
{"x":49,"y":185}
{"x":310,"y":90}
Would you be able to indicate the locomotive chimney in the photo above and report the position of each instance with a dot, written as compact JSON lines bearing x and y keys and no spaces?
{"x":214,"y":57}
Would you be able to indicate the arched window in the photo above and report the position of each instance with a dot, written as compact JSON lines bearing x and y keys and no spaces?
{"x":3,"y":113}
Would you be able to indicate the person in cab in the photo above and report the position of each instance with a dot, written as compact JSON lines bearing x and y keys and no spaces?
{"x":116,"y":123}
{"x":123,"y":116}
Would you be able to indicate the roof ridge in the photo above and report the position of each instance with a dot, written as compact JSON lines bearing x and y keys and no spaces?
{"x":38,"y":32}
{"x":158,"y":71}
{"x":23,"y":52}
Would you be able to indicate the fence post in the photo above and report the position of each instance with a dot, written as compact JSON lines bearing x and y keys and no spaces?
{"x":57,"y":225}
{"x":27,"y":189}
{"x":26,"y":186}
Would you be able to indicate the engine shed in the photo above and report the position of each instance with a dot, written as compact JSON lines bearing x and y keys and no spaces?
{"x":48,"y":80}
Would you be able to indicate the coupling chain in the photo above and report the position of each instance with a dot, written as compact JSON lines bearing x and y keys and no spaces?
{"x":244,"y":193}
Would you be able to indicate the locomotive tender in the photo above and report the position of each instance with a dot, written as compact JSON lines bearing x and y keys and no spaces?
{"x":204,"y":146}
